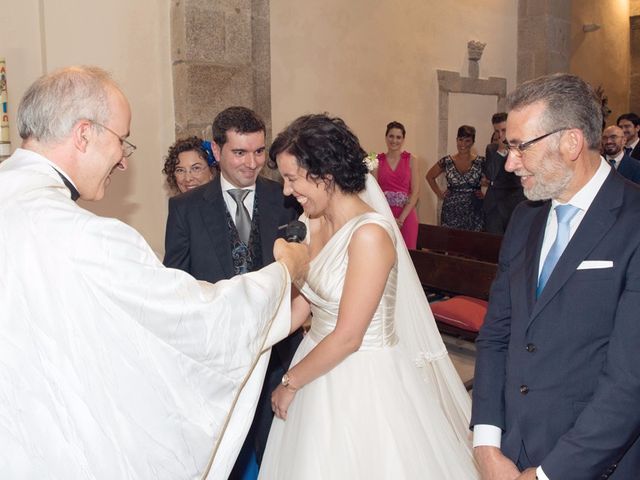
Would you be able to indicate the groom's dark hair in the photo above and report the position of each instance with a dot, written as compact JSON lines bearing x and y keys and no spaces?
{"x":326,"y":148}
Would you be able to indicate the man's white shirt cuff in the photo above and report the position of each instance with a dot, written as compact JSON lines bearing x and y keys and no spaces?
{"x":487,"y":435}
{"x":491,"y":436}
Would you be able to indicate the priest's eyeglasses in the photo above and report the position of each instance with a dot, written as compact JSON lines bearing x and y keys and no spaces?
{"x":520,"y":148}
{"x":127,"y":147}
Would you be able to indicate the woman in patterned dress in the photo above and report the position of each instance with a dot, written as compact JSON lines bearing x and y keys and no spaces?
{"x":462,"y":200}
{"x":399,"y":179}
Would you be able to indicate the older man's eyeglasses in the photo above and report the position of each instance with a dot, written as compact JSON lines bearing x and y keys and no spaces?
{"x":195,"y":170}
{"x":127,"y":147}
{"x":520,"y":148}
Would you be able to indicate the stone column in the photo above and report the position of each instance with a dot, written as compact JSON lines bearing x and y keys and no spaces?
{"x":544,"y":37}
{"x":220,"y":51}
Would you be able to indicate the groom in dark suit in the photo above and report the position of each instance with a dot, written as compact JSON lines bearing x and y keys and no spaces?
{"x":228,"y":227}
{"x":557,"y":380}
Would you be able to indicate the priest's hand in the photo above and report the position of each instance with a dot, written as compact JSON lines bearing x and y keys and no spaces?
{"x":280,"y":400}
{"x":295,"y":257}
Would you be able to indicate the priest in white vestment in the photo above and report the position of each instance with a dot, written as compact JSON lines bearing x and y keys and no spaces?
{"x":112,"y":366}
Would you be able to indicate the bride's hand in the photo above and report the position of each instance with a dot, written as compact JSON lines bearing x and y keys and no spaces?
{"x":280,"y":400}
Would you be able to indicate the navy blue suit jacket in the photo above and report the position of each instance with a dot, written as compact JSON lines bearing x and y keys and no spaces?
{"x":197,"y":239}
{"x":635,"y":153}
{"x":561,"y":374}
{"x":629,"y":168}
{"x":504,"y":192}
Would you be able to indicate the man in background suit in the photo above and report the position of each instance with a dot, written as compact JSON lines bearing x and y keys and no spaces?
{"x":213,"y":236}
{"x":630,"y":125}
{"x":558,"y":366}
{"x":612,"y":146}
{"x":504,"y":192}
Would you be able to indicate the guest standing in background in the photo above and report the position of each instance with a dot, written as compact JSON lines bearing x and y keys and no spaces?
{"x":613,"y":152}
{"x":462,"y":200}
{"x":630,"y":125}
{"x":495,"y":138}
{"x":399,"y":179}
{"x":504,"y":191}
{"x":189,"y":164}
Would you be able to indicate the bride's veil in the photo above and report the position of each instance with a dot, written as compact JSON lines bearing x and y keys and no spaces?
{"x":416,"y":326}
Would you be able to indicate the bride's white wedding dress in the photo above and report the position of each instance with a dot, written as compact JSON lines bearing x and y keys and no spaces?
{"x":385,"y":412}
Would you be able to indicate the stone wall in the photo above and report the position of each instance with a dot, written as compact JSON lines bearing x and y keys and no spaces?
{"x":221,"y":57}
{"x":544,"y":28}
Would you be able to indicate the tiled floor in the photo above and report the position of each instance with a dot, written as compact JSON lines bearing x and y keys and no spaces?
{"x":463,"y":356}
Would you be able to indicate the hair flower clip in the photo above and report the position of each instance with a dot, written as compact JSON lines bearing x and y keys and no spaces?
{"x":211,"y":160}
{"x":371,"y":161}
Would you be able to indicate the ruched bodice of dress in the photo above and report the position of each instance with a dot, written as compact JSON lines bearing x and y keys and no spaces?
{"x":326,"y":280}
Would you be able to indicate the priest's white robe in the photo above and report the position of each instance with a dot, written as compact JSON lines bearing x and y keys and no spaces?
{"x":111,"y":365}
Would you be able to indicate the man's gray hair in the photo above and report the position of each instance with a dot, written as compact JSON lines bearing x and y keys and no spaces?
{"x":55,"y":102}
{"x":570,"y":103}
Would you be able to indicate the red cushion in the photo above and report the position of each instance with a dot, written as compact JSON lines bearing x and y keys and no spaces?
{"x":462,"y":312}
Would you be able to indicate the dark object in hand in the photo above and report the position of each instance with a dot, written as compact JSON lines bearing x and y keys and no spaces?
{"x":294,"y":231}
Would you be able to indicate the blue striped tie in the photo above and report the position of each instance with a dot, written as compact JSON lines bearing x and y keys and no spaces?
{"x":564,"y":215}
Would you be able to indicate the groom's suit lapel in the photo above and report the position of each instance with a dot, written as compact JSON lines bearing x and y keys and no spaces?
{"x":213,"y":211}
{"x":532,"y":254}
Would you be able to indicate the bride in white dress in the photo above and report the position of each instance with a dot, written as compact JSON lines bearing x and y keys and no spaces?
{"x":371,"y":393}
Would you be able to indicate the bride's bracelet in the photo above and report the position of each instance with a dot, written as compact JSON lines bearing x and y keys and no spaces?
{"x":286,"y":383}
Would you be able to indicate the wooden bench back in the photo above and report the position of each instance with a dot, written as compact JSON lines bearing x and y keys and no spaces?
{"x":462,"y":243}
{"x":454,"y":275}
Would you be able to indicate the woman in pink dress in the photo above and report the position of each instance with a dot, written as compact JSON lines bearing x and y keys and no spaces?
{"x":399,"y":179}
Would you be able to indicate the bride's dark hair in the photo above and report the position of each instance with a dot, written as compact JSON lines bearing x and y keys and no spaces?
{"x":324,"y":146}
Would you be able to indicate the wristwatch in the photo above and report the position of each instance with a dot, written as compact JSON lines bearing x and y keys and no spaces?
{"x":285,"y":383}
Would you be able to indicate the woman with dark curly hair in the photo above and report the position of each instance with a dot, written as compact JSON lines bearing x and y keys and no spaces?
{"x":371,"y":391}
{"x":189,"y":164}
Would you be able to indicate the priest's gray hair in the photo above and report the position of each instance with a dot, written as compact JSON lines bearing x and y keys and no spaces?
{"x":570,"y":103}
{"x":55,"y":102}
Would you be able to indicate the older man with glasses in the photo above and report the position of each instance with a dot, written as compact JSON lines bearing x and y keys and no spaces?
{"x":558,"y":366}
{"x":114,"y":366}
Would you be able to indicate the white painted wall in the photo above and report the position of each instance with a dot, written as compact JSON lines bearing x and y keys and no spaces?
{"x":373,"y":61}
{"x":131,"y":40}
{"x":474,"y":110}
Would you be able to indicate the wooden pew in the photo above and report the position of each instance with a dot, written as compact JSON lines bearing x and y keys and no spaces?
{"x":462,"y":243}
{"x":454,"y":275}
{"x":464,"y":283}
